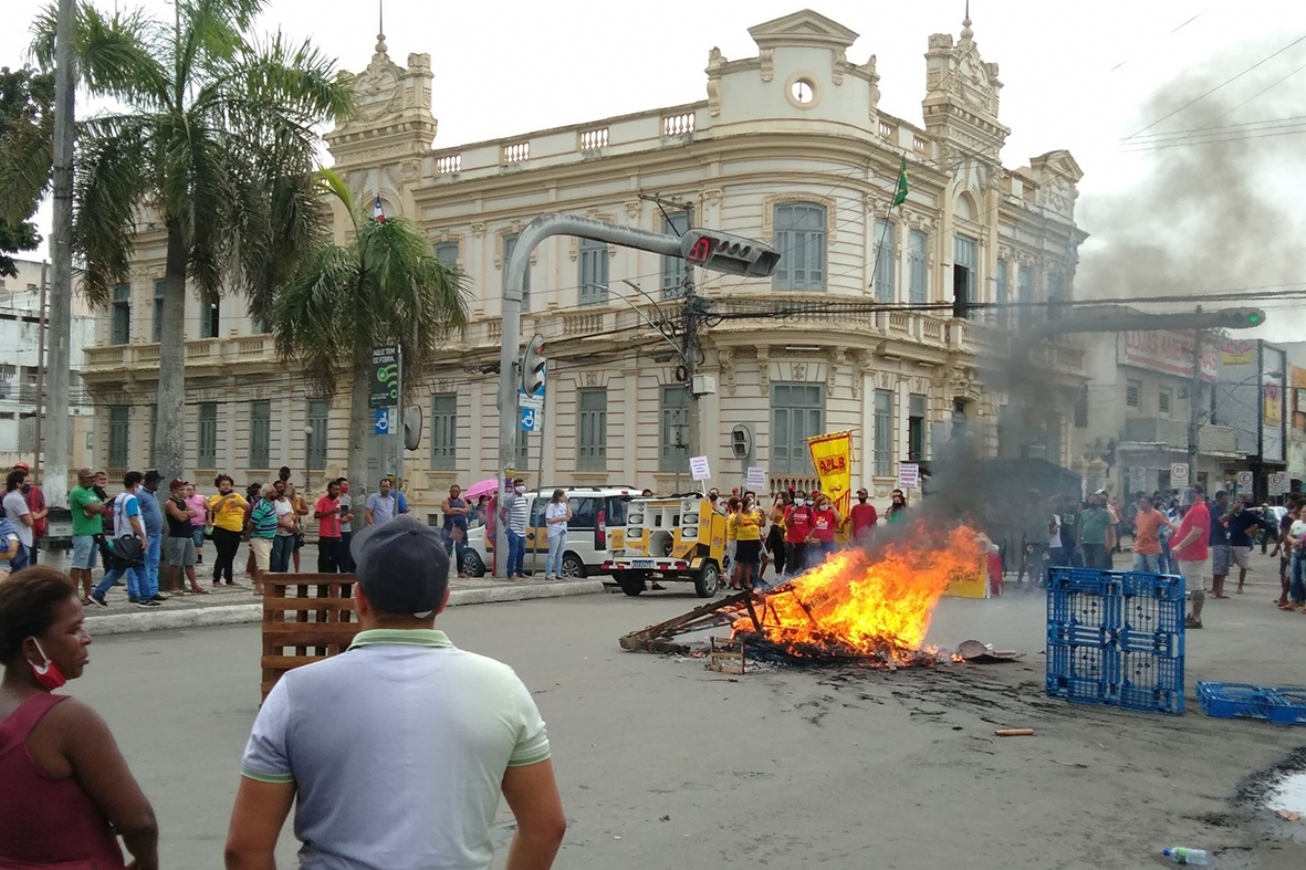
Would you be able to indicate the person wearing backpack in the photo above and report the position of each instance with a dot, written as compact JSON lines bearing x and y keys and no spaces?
{"x":125,"y":554}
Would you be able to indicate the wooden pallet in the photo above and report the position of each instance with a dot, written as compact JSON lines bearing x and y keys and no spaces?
{"x":306,"y":618}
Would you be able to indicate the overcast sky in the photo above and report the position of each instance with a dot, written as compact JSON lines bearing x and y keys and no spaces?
{"x":1077,"y":75}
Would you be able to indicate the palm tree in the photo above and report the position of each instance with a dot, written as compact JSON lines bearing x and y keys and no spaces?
{"x":216,"y":142}
{"x":384,"y":288}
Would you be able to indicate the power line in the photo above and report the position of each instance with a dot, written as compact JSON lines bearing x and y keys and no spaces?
{"x":1227,"y":81}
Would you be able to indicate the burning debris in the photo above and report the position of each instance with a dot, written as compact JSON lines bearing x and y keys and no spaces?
{"x":859,"y":606}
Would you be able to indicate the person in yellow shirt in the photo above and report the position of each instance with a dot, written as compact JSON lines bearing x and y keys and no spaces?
{"x":227,"y":516}
{"x":746,"y":525}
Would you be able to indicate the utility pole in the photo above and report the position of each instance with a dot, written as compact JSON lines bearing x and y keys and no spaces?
{"x":695,"y":308}
{"x":55,"y":479}
{"x":1195,"y":406}
{"x":41,"y":357}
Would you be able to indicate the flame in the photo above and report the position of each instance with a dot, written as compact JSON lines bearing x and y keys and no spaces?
{"x":863,"y":604}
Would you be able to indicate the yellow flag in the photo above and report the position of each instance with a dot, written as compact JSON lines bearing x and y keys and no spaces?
{"x":832,"y":454}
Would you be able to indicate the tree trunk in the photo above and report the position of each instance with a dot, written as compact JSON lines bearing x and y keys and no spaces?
{"x":169,"y":433}
{"x":360,"y":482}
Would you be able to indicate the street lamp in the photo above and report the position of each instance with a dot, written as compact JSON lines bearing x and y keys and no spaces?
{"x":308,"y":441}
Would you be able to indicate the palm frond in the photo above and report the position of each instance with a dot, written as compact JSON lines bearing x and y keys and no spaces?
{"x":26,"y":140}
{"x":116,"y":56}
{"x":110,"y":184}
{"x":310,"y":314}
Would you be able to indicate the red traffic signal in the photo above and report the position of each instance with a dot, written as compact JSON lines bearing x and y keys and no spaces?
{"x":726,"y":252}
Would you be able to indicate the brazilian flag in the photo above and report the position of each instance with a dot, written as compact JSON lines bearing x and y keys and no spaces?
{"x":901,"y":196}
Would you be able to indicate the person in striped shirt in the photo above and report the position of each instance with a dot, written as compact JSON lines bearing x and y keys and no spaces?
{"x":261,"y":529}
{"x":515,"y":514}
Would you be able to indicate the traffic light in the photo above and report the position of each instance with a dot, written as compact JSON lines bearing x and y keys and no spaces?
{"x":725,"y":252}
{"x":532,"y":366}
{"x":1239,"y":318}
{"x":413,"y":428}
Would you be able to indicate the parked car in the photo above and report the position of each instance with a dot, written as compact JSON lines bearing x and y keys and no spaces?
{"x":594,"y":510}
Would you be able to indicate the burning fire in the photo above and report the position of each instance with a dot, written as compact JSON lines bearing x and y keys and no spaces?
{"x":860,"y":605}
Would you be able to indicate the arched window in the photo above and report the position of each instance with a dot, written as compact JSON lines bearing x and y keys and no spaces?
{"x":800,"y":238}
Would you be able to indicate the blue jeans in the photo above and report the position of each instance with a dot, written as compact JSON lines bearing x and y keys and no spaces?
{"x":197,"y":535}
{"x":1297,"y":575}
{"x":516,"y":554}
{"x":553,"y":565}
{"x":1148,"y":562}
{"x":112,"y":575}
{"x":457,"y":550}
{"x":21,"y":559}
{"x":150,"y":573}
{"x":282,"y":547}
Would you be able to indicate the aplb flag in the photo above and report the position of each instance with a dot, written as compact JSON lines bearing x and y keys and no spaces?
{"x":832,"y":454}
{"x":378,"y":213}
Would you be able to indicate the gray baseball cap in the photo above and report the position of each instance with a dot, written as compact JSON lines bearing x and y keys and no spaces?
{"x":402,"y":566}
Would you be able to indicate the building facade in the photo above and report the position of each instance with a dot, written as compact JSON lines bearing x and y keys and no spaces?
{"x":873,"y":322}
{"x":22,"y":380}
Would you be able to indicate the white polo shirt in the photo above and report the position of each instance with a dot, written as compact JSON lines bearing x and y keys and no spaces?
{"x":397,"y":748}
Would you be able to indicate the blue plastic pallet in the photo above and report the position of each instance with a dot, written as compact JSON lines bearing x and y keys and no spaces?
{"x":1281,"y":705}
{"x":1116,"y":638}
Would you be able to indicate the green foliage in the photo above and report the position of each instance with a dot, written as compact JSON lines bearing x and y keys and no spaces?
{"x":385,"y":287}
{"x":14,"y":238}
{"x":26,"y":140}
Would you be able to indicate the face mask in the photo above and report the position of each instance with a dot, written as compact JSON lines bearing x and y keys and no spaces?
{"x":825,"y":507}
{"x":862,"y":499}
{"x":344,"y":487}
{"x":713,"y":497}
{"x":800,"y":501}
{"x":48,"y":676}
{"x":521,"y":490}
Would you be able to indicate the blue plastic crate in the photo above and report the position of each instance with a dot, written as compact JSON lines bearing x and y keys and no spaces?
{"x":1116,"y":638}
{"x":1282,"y":705}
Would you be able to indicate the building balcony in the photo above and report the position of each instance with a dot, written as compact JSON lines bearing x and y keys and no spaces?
{"x":1173,"y":434}
{"x":111,"y":360}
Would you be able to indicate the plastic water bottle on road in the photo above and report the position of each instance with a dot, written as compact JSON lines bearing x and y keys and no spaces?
{"x":1180,"y":855}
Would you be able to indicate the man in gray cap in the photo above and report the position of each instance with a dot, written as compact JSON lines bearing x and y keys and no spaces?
{"x":396,"y":753}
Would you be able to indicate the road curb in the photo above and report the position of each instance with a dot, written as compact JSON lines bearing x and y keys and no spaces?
{"x":234,"y":614}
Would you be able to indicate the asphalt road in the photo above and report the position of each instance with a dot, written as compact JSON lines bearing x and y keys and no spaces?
{"x":663,"y":764}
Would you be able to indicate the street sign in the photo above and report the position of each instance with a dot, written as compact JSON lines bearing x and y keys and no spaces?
{"x":1178,"y":472}
{"x":383,"y":386}
{"x":1244,"y":479}
{"x":1137,"y":474}
{"x":1279,"y":483}
{"x":382,"y":426}
{"x":755,"y":478}
{"x":698,"y":468}
{"x":909,"y":475}
{"x":529,"y":419}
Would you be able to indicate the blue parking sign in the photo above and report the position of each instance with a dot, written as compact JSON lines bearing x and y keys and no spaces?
{"x":382,"y":425}
{"x":529,"y":419}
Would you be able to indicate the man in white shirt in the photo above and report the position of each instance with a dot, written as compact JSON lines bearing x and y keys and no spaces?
{"x":20,"y":517}
{"x":516,"y":514}
{"x":395,"y":755}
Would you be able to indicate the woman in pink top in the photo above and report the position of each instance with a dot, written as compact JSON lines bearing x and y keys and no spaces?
{"x":67,"y":794}
{"x":200,"y":505}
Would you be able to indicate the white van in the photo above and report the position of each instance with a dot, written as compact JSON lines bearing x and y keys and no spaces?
{"x":594,"y":511}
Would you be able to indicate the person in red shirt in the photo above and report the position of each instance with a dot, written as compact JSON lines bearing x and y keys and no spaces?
{"x":864,"y":517}
{"x":825,"y":522}
{"x":798,"y":527}
{"x":327,"y":512}
{"x":1192,"y":547}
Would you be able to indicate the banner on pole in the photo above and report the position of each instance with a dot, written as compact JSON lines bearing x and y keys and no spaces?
{"x":698,"y":468}
{"x":383,"y":385}
{"x":832,"y":455}
{"x":909,"y":475}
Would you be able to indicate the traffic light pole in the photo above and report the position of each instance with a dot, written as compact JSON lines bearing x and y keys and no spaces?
{"x":514,"y":278}
{"x":1195,"y":408}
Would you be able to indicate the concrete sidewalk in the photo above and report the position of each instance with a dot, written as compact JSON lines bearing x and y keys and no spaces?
{"x":228,"y":605}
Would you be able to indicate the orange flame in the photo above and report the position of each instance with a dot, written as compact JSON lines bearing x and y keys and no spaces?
{"x":859,"y":604}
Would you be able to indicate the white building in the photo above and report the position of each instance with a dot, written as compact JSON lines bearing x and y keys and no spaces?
{"x":20,"y":350}
{"x":789,"y":146}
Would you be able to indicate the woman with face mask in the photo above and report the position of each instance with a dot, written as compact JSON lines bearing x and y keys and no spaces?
{"x":67,"y":794}
{"x":898,"y":507}
{"x":825,"y":522}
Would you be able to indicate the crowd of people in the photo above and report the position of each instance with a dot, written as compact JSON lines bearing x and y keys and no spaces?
{"x":1186,"y":534}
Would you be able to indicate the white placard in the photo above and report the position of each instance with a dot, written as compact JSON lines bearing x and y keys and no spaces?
{"x":909,"y":475}
{"x":1244,"y":478}
{"x":1279,"y":483}
{"x":698,"y":468}
{"x":1178,"y":472}
{"x":755,"y":478}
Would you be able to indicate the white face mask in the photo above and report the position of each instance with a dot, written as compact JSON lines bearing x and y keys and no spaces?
{"x":520,"y":490}
{"x":800,"y":501}
{"x":825,"y":507}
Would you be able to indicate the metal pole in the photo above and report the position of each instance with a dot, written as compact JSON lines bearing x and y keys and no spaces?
{"x":40,"y":375}
{"x":398,"y":434}
{"x":55,"y":480}
{"x":514,"y":276}
{"x":692,"y":320}
{"x":1195,"y":408}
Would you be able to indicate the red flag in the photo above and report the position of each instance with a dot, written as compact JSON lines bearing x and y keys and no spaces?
{"x":378,"y":214}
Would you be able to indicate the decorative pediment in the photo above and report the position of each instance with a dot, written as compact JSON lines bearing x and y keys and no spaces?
{"x":802,"y":28}
{"x":1058,"y":162}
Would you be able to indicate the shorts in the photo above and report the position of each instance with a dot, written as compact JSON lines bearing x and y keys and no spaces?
{"x":1220,"y":560}
{"x":180,"y":552}
{"x":84,"y":550}
{"x":262,"y":548}
{"x":748,"y":552}
{"x":1194,"y":573}
{"x":1242,"y":556}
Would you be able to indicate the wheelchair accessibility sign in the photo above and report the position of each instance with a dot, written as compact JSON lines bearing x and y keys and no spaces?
{"x":384,"y":421}
{"x":529,"y":419}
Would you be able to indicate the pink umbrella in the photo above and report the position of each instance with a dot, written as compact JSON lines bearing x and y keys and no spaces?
{"x":485,"y":487}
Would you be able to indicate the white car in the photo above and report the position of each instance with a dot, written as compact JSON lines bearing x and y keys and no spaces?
{"x":593,"y":511}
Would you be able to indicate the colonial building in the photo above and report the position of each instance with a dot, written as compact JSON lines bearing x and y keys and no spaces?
{"x":868,"y":323}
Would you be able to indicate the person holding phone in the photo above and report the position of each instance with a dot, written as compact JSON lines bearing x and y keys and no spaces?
{"x":556,"y":515}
